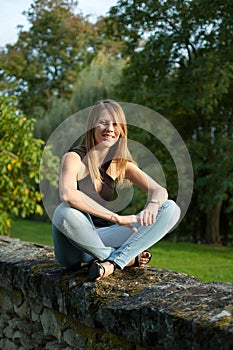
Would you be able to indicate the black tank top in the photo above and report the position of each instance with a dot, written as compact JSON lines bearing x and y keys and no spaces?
{"x":86,"y":185}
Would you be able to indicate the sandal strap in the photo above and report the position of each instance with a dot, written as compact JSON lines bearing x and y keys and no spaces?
{"x":137,"y":259}
{"x":96,"y":267}
{"x":101,"y":267}
{"x":115,"y":266}
{"x":94,"y":270}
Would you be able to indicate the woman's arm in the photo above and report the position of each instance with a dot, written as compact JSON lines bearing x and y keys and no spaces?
{"x":158,"y":194}
{"x":71,"y":167}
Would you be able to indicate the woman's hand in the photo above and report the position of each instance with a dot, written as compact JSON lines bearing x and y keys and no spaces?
{"x":149,"y":214}
{"x":145,"y":218}
{"x":126,"y":220}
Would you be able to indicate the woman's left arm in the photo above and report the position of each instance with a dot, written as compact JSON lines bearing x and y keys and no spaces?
{"x":158,"y":194}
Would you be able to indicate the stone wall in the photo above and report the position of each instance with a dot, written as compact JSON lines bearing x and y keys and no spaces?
{"x":45,"y":306}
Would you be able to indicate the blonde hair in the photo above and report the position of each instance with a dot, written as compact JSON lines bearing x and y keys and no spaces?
{"x":122,"y":154}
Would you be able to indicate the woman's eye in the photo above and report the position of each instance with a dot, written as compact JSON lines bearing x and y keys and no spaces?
{"x":102,"y":122}
{"x":106,"y":123}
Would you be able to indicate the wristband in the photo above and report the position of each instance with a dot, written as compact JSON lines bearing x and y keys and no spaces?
{"x":154,"y":201}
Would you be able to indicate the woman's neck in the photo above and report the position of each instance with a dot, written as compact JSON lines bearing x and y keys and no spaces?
{"x":101,"y":154}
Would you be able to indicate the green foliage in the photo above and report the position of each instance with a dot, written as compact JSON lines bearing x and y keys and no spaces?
{"x":97,"y":81}
{"x":176,"y":58}
{"x":19,"y":164}
{"x":181,"y":65}
{"x":59,"y":109}
{"x":46,"y":59}
{"x":213,"y":161}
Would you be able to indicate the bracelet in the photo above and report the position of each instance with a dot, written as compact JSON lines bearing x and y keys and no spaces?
{"x":154,"y":201}
{"x":111,"y":217}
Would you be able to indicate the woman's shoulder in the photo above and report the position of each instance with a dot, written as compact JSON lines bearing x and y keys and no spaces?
{"x":80,"y":150}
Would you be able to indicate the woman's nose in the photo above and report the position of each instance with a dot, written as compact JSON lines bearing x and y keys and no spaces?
{"x":110,"y":126}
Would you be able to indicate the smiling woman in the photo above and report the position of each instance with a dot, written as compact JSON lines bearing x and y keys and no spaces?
{"x":82,"y":223}
{"x":106,"y":127}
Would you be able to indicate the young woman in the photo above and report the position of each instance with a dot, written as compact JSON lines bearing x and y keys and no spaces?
{"x":84,"y":229}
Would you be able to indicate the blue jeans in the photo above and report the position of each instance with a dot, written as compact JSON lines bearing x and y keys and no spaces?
{"x":76,"y":240}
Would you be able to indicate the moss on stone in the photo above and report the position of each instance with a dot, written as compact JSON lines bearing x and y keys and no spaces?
{"x":130,"y":281}
{"x":223,"y":322}
{"x":41,"y":268}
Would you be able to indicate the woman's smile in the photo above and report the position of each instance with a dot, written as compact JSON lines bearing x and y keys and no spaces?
{"x":108,"y":136}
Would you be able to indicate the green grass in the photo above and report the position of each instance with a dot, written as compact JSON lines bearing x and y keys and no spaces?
{"x":32,"y":231}
{"x":208,"y":263}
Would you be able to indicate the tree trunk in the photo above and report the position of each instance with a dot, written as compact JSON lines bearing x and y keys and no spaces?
{"x":213,"y":225}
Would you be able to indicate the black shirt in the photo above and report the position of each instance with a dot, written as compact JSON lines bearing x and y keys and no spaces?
{"x":87,"y":186}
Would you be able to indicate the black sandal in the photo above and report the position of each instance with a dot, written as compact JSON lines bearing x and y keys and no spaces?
{"x":95,"y":270}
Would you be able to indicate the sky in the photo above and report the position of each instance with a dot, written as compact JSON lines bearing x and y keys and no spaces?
{"x":11,"y":15}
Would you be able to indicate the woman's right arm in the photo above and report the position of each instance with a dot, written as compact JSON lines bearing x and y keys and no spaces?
{"x":71,"y":167}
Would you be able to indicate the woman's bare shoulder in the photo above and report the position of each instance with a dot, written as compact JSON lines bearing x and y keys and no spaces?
{"x":71,"y":159}
{"x":71,"y":155}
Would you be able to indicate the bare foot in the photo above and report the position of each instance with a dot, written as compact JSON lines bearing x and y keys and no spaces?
{"x":108,"y":269}
{"x":145,"y":258}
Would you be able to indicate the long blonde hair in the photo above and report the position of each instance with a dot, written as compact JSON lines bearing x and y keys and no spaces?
{"x":122,"y":154}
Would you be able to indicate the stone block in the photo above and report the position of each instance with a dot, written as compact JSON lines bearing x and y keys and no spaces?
{"x":51,"y":322}
{"x":74,"y":339}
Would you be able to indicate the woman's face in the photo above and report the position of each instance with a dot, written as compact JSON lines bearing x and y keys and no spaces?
{"x":106,"y":132}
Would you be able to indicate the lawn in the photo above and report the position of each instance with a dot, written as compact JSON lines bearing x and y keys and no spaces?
{"x":208,"y":263}
{"x":32,"y":231}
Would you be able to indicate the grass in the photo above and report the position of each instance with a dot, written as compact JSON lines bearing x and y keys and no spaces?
{"x":208,"y":263}
{"x":32,"y":231}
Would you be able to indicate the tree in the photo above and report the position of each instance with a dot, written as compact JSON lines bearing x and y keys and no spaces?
{"x":95,"y":82}
{"x":181,"y":64}
{"x":98,"y":80}
{"x":46,"y":60}
{"x":19,"y":165}
{"x":58,"y":110}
